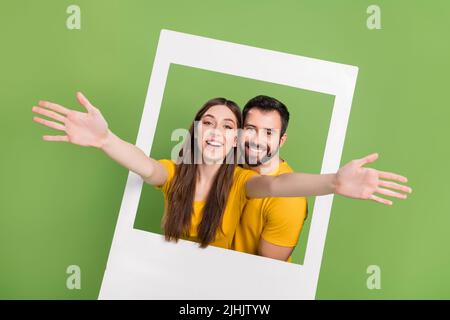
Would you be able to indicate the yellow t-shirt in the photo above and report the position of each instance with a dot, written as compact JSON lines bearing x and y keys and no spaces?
{"x":276,"y":220}
{"x":233,"y":209}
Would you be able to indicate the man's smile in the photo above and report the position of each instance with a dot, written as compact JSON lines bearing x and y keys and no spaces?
{"x":255,"y":148}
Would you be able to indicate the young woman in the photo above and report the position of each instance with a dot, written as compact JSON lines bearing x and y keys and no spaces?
{"x":205,"y":191}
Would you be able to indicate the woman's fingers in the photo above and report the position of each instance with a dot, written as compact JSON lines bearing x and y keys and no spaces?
{"x":392,"y":176}
{"x":395,"y":186}
{"x":85,"y":102}
{"x":50,"y":124}
{"x":391,"y":193}
{"x":380,"y":200}
{"x":50,"y":114}
{"x":54,"y":107}
{"x":55,"y":138}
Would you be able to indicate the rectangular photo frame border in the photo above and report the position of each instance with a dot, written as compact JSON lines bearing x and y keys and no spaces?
{"x":142,"y":265}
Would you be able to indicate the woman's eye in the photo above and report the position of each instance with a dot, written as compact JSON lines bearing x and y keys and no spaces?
{"x":207,"y":123}
{"x":228,"y":127}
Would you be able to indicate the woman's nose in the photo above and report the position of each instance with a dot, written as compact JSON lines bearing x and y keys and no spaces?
{"x":216,"y":133}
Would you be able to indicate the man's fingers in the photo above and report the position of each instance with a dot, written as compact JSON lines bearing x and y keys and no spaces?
{"x":53,"y":106}
{"x":85,"y":102}
{"x":391,"y":193}
{"x":381,"y":200}
{"x":50,"y":114}
{"x":395,"y":186}
{"x":55,"y":138}
{"x":368,"y":159}
{"x":392,"y":176}
{"x":50,"y":124}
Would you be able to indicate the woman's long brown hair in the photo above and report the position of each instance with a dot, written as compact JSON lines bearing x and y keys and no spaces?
{"x":177,"y":220}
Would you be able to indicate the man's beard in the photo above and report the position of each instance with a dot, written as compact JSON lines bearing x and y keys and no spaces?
{"x":259,"y":161}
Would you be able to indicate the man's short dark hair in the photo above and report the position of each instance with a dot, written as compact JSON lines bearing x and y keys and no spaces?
{"x":266,"y":103}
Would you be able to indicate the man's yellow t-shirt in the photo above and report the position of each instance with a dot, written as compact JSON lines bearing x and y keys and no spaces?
{"x":236,"y":202}
{"x":276,"y":220}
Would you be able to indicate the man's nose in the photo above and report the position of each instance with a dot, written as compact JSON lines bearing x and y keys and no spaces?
{"x":261,"y":136}
{"x":253,"y":140}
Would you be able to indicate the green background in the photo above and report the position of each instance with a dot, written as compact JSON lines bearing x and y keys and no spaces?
{"x":310,"y":115}
{"x":59,"y":202}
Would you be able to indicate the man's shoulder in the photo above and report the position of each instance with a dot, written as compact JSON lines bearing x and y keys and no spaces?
{"x":284,"y":167}
{"x":278,"y":204}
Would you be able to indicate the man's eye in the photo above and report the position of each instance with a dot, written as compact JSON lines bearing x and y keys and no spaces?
{"x":269,"y":132}
{"x":228,"y":127}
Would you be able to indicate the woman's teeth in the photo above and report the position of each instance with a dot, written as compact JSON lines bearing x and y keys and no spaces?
{"x":214,"y":143}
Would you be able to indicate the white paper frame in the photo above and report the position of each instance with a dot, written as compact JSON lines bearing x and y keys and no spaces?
{"x":142,"y":265}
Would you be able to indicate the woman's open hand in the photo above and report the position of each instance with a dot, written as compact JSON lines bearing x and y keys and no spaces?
{"x":84,"y":129}
{"x":354,"y":181}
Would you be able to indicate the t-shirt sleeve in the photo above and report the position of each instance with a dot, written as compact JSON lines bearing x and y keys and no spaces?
{"x":170,"y":167}
{"x":241,"y":177}
{"x":284,"y":220}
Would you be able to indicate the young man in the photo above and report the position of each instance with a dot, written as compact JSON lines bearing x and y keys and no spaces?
{"x":269,"y":227}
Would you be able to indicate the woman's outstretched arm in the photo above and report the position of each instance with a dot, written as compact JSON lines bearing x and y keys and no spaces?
{"x":134,"y":159}
{"x":91,"y":130}
{"x":352,"y":181}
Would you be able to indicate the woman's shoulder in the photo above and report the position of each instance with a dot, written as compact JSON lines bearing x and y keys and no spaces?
{"x":167,"y":162}
{"x":241,"y":173}
{"x":170,"y":166}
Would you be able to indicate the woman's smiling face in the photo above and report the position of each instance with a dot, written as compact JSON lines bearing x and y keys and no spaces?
{"x":217,"y":133}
